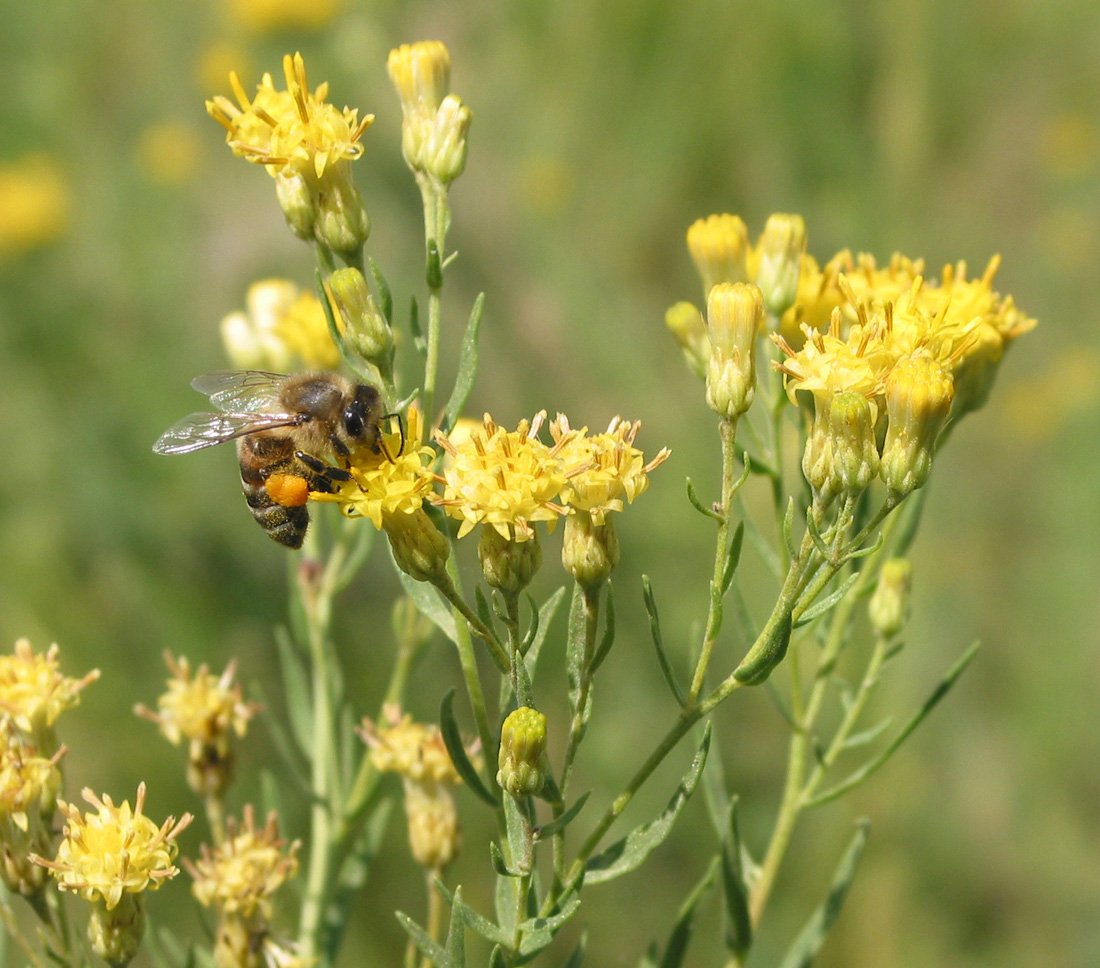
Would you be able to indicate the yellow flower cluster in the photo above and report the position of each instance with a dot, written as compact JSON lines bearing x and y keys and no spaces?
{"x":240,"y":877}
{"x":414,"y":750}
{"x":33,"y":692}
{"x":282,"y":328}
{"x":292,"y":131}
{"x":114,"y":850}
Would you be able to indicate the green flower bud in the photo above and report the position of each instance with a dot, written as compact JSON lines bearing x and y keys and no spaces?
{"x":365,"y":328}
{"x":116,"y":934}
{"x":781,"y":248}
{"x":522,"y":758}
{"x":342,"y":222}
{"x":508,"y":565}
{"x":296,"y":200}
{"x":589,"y":551}
{"x":419,"y":549}
{"x":841,"y":456}
{"x":889,"y":605}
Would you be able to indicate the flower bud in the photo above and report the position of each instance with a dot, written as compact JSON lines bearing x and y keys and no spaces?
{"x":444,"y":152}
{"x":365,"y":328}
{"x":975,"y":371}
{"x":841,"y":456}
{"x":734,"y":314}
{"x":522,"y":758}
{"x":689,"y":329}
{"x":918,"y":398}
{"x":433,"y":824}
{"x":115,"y":934}
{"x":342,"y":222}
{"x":780,"y":253}
{"x":421,"y":73}
{"x":419,"y":549}
{"x":296,"y":200}
{"x":508,"y":565}
{"x":589,"y":551}
{"x":889,"y":605}
{"x":718,"y":245}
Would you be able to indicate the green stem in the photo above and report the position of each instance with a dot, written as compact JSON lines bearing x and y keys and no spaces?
{"x":584,"y":685}
{"x":727,"y":430}
{"x":436,"y":217}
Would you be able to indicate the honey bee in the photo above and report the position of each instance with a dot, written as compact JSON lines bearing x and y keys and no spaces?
{"x":289,"y":430}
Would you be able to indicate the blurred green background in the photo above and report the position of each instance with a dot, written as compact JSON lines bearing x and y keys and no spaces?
{"x":942,"y":129}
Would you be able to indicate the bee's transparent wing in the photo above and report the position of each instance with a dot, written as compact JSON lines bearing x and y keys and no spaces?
{"x":241,"y":391}
{"x":199,"y":430}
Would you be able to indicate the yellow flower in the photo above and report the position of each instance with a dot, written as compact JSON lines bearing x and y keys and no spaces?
{"x":282,"y":328}
{"x":240,"y":876}
{"x":414,"y":750}
{"x":28,"y":793}
{"x":114,"y":850}
{"x":292,"y":131}
{"x":504,"y":479}
{"x":718,"y":245}
{"x":605,"y":469}
{"x":34,"y":693}
{"x":391,"y":481}
{"x":34,"y":203}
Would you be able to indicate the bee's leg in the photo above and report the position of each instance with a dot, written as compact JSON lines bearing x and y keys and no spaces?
{"x":341,"y":450}
{"x":323,"y":477}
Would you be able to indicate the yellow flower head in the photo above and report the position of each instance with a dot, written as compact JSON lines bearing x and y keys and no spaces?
{"x":33,"y":692}
{"x":28,"y":782}
{"x":200,"y":707}
{"x":605,"y":469}
{"x":391,"y":481}
{"x":35,"y":201}
{"x":415,"y":750}
{"x":421,"y":73}
{"x":240,"y":877}
{"x":291,"y":132}
{"x":718,"y":245}
{"x":828,"y":364}
{"x":505,"y":479}
{"x":114,"y":850}
{"x":282,"y":328}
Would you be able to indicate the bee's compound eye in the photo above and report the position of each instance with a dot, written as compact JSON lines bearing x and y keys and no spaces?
{"x":289,"y":490}
{"x":353,"y":421}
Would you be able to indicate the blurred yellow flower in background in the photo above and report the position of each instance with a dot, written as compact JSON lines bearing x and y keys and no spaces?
{"x":264,"y":16}
{"x":35,"y":203}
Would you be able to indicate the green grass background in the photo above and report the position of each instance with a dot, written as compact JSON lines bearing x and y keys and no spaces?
{"x":942,"y":129}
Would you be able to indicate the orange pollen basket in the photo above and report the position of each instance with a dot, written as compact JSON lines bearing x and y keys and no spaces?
{"x":289,"y":490}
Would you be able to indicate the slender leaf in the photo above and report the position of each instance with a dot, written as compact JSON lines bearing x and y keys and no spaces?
{"x":537,"y":933}
{"x":285,"y":746}
{"x":693,"y":497}
{"x":872,"y":766}
{"x":715,"y":797}
{"x":866,"y":550}
{"x":733,"y":556}
{"x":810,"y":939}
{"x":541,"y":630}
{"x":477,"y":922}
{"x":655,"y":633}
{"x":467,"y":366}
{"x":423,"y":941}
{"x":817,"y":609}
{"x":868,"y":735}
{"x":456,"y":935}
{"x":680,"y":937}
{"x":484,"y":611}
{"x":518,"y":828}
{"x":631,"y":851}
{"x":452,"y":739}
{"x":385,"y":296}
{"x":649,"y":959}
{"x":430,"y":604}
{"x":735,"y":888}
{"x":500,"y":865}
{"x":560,"y":823}
{"x":823,"y":548}
{"x":574,"y":647}
{"x":497,"y":958}
{"x":788,"y":530}
{"x":419,"y":342}
{"x":767,"y":652}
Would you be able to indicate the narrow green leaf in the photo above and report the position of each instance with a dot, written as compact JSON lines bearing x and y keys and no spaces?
{"x":471,"y":918}
{"x":819,"y":608}
{"x":484,"y":611}
{"x":818,"y":538}
{"x":759,"y":466}
{"x":385,"y":296}
{"x":456,"y":934}
{"x":738,"y":933}
{"x":603,"y":648}
{"x":500,"y":865}
{"x":518,"y":829}
{"x":467,"y":366}
{"x":419,"y":342}
{"x":866,"y":550}
{"x":872,"y":766}
{"x":810,"y":939}
{"x":649,"y":959}
{"x":497,"y":958}
{"x":629,"y":853}
{"x":423,"y":941}
{"x":429,"y":603}
{"x":680,"y":937}
{"x":452,"y":739}
{"x":715,"y":797}
{"x":537,"y":933}
{"x":693,"y":497}
{"x":545,"y":617}
{"x":548,"y":830}
{"x":767,"y":652}
{"x":788,"y":530}
{"x":733,"y":556}
{"x":655,"y":634}
{"x":291,"y":754}
{"x":574,"y":646}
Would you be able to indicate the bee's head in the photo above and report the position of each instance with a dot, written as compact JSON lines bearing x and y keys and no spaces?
{"x":360,"y":416}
